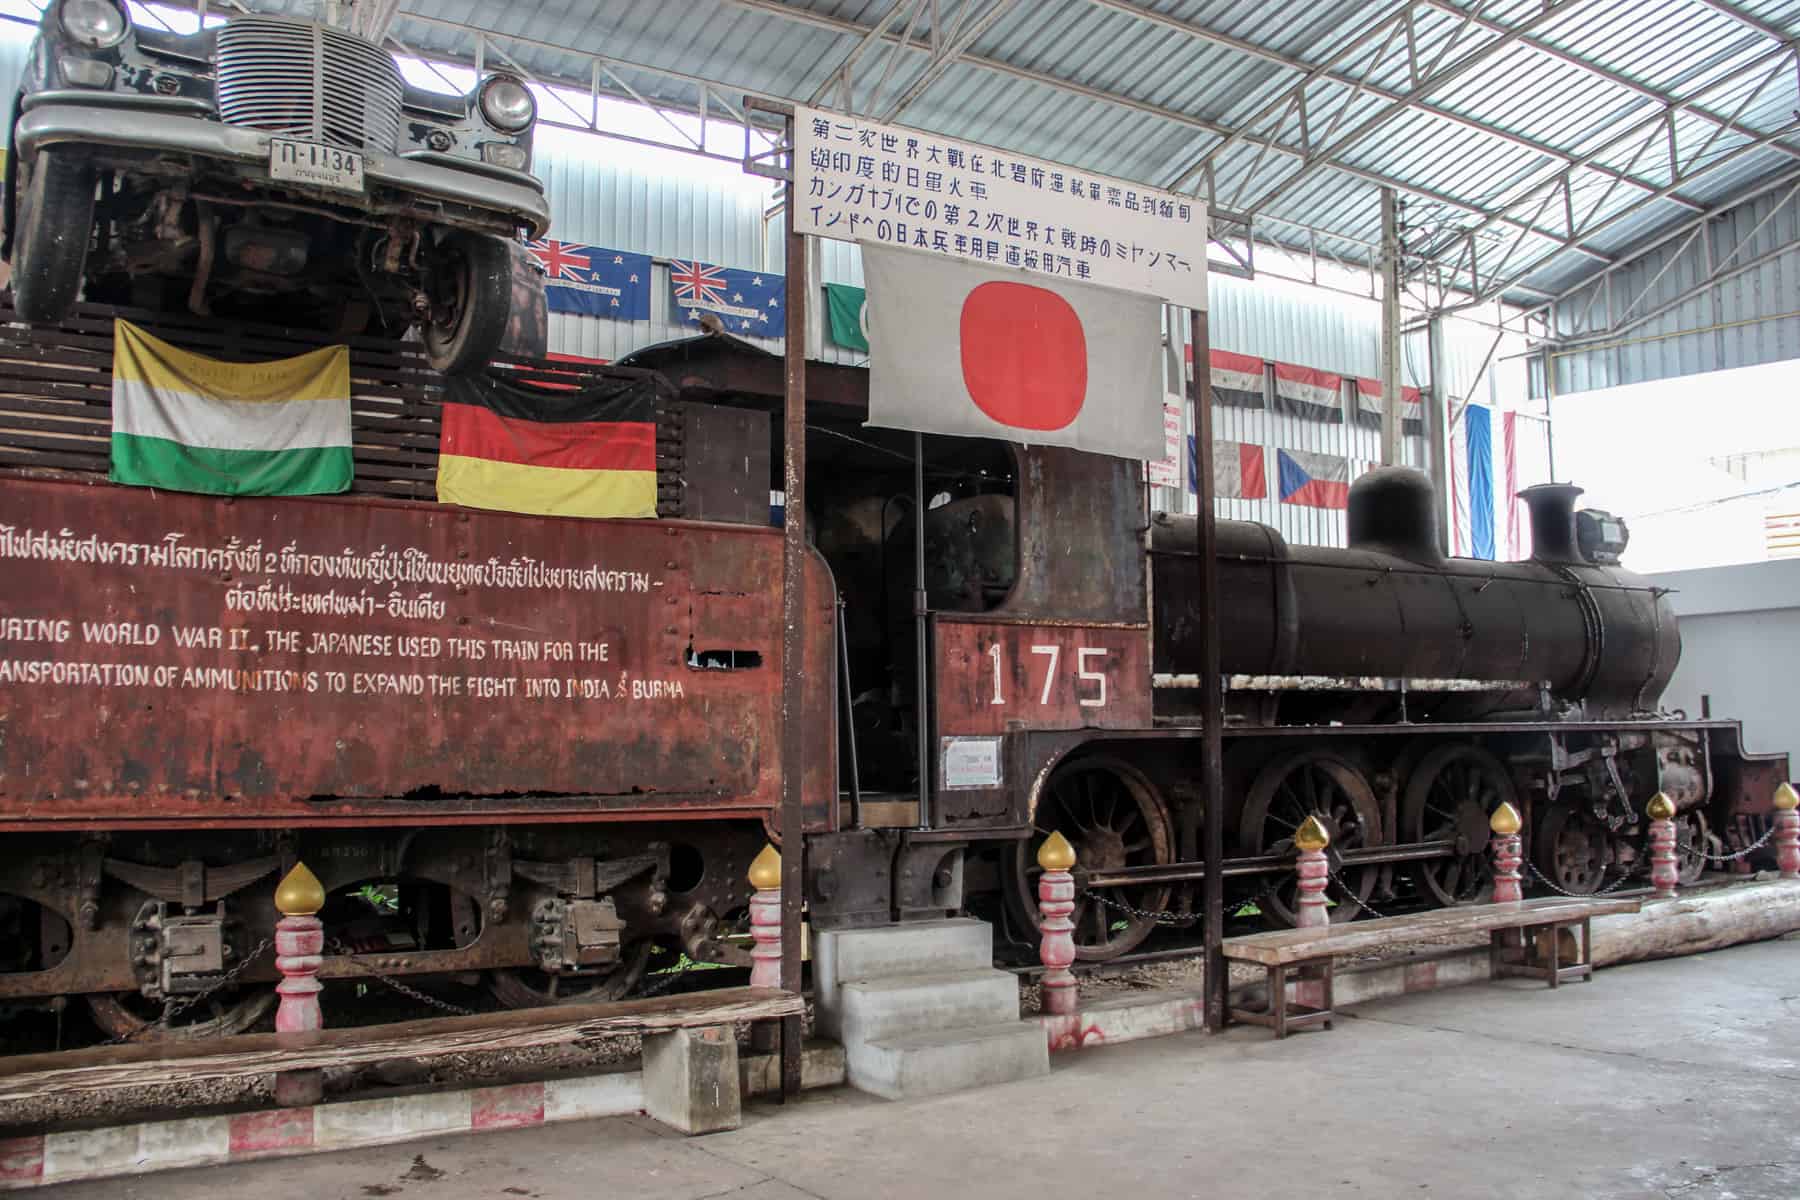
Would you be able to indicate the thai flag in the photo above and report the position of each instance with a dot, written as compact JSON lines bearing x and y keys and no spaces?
{"x":1313,"y":480}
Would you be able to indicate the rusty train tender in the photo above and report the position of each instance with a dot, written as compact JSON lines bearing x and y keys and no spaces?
{"x":538,"y":754}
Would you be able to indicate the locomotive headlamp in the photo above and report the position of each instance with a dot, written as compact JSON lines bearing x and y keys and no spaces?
{"x":507,"y":104}
{"x":96,"y":24}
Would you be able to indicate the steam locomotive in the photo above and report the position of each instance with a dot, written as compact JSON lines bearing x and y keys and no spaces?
{"x":537,"y":754}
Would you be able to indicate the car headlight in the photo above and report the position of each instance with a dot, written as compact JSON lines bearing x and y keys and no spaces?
{"x":96,"y":24}
{"x":506,"y":102}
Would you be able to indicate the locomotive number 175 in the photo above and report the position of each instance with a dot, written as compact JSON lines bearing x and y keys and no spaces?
{"x":1090,"y":678}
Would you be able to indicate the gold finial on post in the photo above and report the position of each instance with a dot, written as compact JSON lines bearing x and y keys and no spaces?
{"x":1786,"y":798}
{"x":1056,"y":854}
{"x":1506,"y":820}
{"x":1660,"y":808}
{"x":765,"y":871}
{"x":299,"y":894}
{"x":1312,"y":834}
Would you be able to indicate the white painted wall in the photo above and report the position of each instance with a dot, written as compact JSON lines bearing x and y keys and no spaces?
{"x":1740,"y":644}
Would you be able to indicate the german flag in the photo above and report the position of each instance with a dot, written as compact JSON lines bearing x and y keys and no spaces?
{"x":579,"y":452}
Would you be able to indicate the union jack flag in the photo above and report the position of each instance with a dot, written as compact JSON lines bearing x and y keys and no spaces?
{"x":697,"y":282}
{"x":559,"y":260}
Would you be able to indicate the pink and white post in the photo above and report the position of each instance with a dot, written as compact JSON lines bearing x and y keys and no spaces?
{"x":299,"y":943}
{"x":1056,"y":900}
{"x":1664,"y":874}
{"x":1311,"y":839}
{"x":765,"y":919}
{"x":1787,"y":831}
{"x":1505,"y":824}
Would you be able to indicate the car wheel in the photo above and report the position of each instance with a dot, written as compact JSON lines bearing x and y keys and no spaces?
{"x":471,"y":298}
{"x":55,"y":211}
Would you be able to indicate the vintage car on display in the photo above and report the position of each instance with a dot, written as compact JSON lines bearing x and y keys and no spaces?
{"x":274,"y":168}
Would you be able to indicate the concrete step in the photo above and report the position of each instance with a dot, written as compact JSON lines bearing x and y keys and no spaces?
{"x":875,"y":1009}
{"x":921,"y":948}
{"x":930,"y":1064}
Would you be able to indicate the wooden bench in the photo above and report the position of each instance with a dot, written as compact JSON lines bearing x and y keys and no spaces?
{"x":708,"y":1065}
{"x":1305,"y":956}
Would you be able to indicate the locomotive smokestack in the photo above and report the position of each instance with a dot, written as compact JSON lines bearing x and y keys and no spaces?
{"x":1392,"y":509}
{"x":1552,"y":521}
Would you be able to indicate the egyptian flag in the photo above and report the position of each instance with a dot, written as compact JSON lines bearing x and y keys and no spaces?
{"x":1237,"y":471}
{"x":974,"y":350}
{"x":1310,"y":393}
{"x":562,"y":452}
{"x":1369,"y":407}
{"x":1313,"y":480}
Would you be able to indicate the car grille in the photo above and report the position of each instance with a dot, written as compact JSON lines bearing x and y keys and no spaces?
{"x":300,"y":80}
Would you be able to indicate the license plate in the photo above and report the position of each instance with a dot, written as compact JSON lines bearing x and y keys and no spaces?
{"x":311,"y":163}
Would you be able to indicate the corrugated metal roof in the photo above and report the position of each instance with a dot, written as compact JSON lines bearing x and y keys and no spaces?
{"x":1472,"y":109}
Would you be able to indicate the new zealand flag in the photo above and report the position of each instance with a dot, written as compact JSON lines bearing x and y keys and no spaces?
{"x":593,"y":281}
{"x":747,"y":303}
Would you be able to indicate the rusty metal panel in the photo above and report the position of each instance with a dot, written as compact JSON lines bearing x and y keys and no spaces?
{"x":1080,"y":522}
{"x":999,"y":676}
{"x":725,"y":469}
{"x":182,"y":658}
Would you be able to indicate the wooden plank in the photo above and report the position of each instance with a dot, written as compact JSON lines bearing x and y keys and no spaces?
{"x":32,"y":1076}
{"x":1297,"y":945}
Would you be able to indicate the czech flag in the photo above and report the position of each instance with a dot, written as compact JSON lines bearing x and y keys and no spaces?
{"x":563,"y":452}
{"x":1314,"y":480}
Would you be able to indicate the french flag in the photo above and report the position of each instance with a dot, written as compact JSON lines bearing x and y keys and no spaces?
{"x":1313,"y":480}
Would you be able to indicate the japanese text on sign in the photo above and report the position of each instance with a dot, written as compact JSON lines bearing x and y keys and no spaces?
{"x":858,"y":181}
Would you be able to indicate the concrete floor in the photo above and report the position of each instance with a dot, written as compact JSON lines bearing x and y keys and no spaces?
{"x":1673,"y":1079}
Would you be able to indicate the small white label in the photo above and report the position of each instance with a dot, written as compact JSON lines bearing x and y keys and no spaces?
{"x":970,"y":762}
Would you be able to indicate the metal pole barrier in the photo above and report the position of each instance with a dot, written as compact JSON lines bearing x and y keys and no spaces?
{"x":793,"y":579}
{"x":921,"y":633}
{"x":1212,"y":695}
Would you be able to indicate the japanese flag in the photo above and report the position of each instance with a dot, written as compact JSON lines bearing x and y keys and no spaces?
{"x":978,"y":351}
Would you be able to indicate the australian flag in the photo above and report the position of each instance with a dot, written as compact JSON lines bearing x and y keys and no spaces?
{"x":747,"y":303}
{"x":594,"y":281}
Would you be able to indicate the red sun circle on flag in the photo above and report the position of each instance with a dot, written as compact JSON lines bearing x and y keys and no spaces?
{"x":1024,"y":355}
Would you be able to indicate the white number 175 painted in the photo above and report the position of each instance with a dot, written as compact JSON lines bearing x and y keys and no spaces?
{"x":1054,"y":653}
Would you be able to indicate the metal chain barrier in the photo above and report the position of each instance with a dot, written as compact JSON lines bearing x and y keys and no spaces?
{"x":1160,"y":917}
{"x":1614,"y":886}
{"x":338,"y":948}
{"x":1362,"y":904}
{"x":1752,"y":848}
{"x":174,"y":1008}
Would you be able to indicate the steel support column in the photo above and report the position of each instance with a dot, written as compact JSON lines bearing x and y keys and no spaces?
{"x":1212,"y":691}
{"x":793,"y":605}
{"x":1390,"y":331}
{"x":1437,"y":428}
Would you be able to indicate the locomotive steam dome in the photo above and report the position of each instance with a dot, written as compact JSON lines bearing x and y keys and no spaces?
{"x":1393,"y":509}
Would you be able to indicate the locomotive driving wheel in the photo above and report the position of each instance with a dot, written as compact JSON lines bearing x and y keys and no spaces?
{"x":1315,"y":783}
{"x":129,"y":1016}
{"x":1114,"y":817}
{"x":1694,"y":840}
{"x":528,"y":987}
{"x":1571,"y":850}
{"x":1450,"y":796}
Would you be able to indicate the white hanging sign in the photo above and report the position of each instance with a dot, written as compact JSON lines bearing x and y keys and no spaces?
{"x":861,"y":182}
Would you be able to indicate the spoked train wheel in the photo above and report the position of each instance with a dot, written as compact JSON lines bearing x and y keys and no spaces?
{"x":1570,"y":851}
{"x":527,"y":987}
{"x":1114,"y":817}
{"x":1451,"y":794}
{"x":1291,"y":788}
{"x":129,"y":1016}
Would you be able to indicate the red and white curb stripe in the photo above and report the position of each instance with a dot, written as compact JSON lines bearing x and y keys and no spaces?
{"x":46,"y":1158}
{"x":1109,"y":1022}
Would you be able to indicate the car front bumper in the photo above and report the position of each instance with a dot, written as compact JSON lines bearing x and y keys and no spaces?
{"x":506,"y":197}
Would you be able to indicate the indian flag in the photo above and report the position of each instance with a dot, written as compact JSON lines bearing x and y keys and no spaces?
{"x":189,"y":423}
